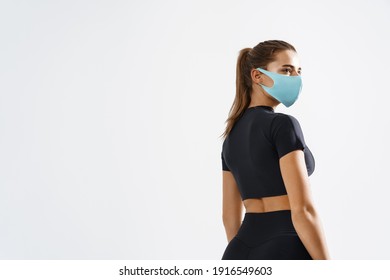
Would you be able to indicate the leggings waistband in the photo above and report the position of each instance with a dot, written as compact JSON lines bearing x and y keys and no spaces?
{"x":268,"y":215}
{"x":260,"y":226}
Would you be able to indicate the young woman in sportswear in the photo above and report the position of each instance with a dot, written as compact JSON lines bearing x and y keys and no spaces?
{"x":266,"y":163}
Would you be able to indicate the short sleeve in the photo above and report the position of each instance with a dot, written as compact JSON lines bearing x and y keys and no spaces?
{"x":224,"y":166}
{"x":287,"y":134}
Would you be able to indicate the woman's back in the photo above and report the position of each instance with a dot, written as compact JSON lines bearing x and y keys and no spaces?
{"x":252,"y":150}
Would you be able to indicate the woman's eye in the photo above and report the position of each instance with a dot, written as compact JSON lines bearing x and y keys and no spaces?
{"x":289,"y":71}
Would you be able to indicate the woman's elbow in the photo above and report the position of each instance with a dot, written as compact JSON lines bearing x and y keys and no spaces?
{"x":230,"y":221}
{"x":303,"y":210}
{"x":227,"y":220}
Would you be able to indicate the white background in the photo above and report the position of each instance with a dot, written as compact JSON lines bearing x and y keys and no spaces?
{"x":111,"y":112}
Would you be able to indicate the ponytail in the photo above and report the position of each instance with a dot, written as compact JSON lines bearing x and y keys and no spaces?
{"x":243,"y":81}
{"x":243,"y":89}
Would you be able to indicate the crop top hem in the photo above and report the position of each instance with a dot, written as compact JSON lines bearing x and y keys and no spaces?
{"x":263,"y":195}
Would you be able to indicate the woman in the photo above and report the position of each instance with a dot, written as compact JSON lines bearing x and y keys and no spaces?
{"x":266,"y":163}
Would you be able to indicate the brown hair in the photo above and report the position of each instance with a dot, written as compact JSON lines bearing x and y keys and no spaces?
{"x":250,"y":58}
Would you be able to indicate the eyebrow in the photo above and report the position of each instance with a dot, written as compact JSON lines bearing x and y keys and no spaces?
{"x":289,"y":65}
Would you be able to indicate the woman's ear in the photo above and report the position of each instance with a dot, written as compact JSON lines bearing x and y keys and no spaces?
{"x":257,"y":76}
{"x":261,"y":78}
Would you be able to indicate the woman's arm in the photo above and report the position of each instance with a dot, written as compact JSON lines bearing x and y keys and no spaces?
{"x":303,"y":213}
{"x":231,"y":205}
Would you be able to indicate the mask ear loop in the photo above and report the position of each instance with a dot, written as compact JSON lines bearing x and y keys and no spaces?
{"x":259,"y":83}
{"x":264,"y":86}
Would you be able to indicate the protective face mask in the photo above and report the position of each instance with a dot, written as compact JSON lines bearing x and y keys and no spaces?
{"x":285,"y":89}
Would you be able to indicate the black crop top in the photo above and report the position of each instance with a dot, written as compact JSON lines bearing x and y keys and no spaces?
{"x":252,"y":149}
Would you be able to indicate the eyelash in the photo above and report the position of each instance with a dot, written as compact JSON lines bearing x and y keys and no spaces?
{"x":289,"y":70}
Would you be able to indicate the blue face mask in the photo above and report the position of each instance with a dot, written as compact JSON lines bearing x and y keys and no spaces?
{"x":285,"y":89}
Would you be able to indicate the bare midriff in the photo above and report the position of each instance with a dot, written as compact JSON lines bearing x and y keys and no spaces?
{"x":267,"y":204}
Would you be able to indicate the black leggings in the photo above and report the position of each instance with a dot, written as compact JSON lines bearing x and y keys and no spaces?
{"x":266,"y":236}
